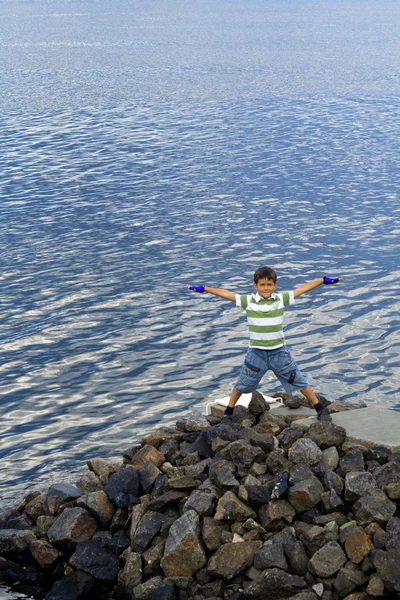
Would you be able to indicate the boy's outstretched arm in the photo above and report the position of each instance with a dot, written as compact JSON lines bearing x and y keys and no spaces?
{"x":215,"y":291}
{"x":306,"y":287}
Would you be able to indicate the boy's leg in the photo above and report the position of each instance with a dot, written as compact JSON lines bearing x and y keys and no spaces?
{"x":235,"y":395}
{"x":322,"y":413}
{"x":309,"y":393}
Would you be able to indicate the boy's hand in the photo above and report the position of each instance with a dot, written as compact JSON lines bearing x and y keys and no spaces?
{"x":196,"y":288}
{"x":329,"y":280}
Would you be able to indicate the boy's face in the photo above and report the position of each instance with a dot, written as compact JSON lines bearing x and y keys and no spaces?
{"x":265,"y":287}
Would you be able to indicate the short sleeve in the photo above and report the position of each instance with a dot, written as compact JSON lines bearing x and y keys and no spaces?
{"x":287,"y":298}
{"x":242,"y":301}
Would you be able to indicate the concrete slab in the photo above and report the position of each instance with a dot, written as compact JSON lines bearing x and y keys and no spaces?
{"x":366,"y":426}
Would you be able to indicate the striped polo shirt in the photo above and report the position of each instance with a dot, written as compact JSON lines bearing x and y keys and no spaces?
{"x":265,"y":318}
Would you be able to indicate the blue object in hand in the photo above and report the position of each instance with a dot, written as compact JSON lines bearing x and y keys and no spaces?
{"x":197,"y":288}
{"x":328,"y":280}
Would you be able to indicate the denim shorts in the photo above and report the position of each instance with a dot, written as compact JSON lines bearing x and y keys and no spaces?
{"x":279,"y":361}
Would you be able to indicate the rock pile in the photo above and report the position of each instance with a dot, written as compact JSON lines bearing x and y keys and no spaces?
{"x":248,"y":507}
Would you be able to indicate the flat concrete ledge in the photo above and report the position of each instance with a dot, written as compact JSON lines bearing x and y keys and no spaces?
{"x":366,"y":426}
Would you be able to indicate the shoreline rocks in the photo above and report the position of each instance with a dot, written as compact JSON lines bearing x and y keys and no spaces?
{"x":241,"y":508}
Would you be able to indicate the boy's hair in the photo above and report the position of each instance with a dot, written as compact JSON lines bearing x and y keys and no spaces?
{"x":265,"y":273}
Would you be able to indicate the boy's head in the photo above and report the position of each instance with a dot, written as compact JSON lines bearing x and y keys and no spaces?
{"x":265,"y":282}
{"x":265,"y":273}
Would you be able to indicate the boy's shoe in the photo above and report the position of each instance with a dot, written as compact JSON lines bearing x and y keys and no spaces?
{"x":323,"y":415}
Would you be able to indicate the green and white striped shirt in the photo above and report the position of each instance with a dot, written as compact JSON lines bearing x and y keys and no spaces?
{"x":265,"y":318}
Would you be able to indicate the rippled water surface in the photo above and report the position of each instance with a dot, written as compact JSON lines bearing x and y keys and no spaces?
{"x":146,"y":145}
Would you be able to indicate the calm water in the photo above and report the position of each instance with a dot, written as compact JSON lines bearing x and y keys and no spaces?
{"x":145,"y":145}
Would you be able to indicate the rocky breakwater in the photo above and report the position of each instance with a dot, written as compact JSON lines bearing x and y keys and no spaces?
{"x":248,"y":507}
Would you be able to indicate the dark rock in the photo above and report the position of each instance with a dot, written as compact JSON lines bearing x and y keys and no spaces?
{"x":75,"y":586}
{"x":120,"y":520}
{"x":131,"y":575}
{"x":194,"y":421}
{"x":203,"y":502}
{"x":352,"y":461}
{"x":60,"y":493}
{"x":98,"y":505}
{"x":271,"y":555}
{"x":254,"y":495}
{"x":289,"y":436}
{"x":388,"y":473}
{"x":213,"y":589}
{"x":349,"y":579}
{"x":328,"y":560}
{"x":165,"y":592}
{"x":148,"y":474}
{"x":297,"y":557}
{"x":379,"y":454}
{"x":184,"y":553}
{"x":148,"y":527}
{"x":258,"y":404}
{"x":212,"y":532}
{"x":8,"y":516}
{"x":275,"y":516}
{"x":169,"y":448}
{"x":266,"y":441}
{"x":152,"y":558}
{"x":103,"y":538}
{"x":274,"y":583}
{"x":392,"y":536}
{"x":118,"y":543}
{"x":326,"y":434}
{"x":280,"y":487}
{"x":165,"y":499}
{"x":374,"y":507}
{"x":92,"y":558}
{"x":358,"y":485}
{"x":15,"y":540}
{"x":243,"y":453}
{"x":299,"y":473}
{"x":305,"y":451}
{"x":332,"y":481}
{"x":201,"y":445}
{"x":222,"y":475}
{"x":277,"y":463}
{"x":123,"y":487}
{"x":72,"y":526}
{"x":144,"y":591}
{"x":387,"y":565}
{"x":160,"y":486}
{"x":241,"y":414}
{"x":306,"y":494}
{"x":20,"y":522}
{"x":44,"y":553}
{"x":331,"y":501}
{"x":330,"y":459}
{"x":36,"y":508}
{"x":293,"y":402}
{"x":231,"y":560}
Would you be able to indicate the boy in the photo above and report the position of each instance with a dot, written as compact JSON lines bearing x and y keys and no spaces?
{"x":267,"y":350}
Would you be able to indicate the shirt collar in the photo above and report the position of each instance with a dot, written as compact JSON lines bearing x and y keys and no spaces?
{"x":257,"y":297}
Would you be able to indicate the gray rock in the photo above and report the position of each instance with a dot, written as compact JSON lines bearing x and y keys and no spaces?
{"x":331,"y":501}
{"x":274,"y":516}
{"x":89,"y":483}
{"x":358,"y":485}
{"x":231,"y":508}
{"x":258,"y":404}
{"x":194,"y":421}
{"x":375,"y":586}
{"x":131,"y":575}
{"x":271,"y":555}
{"x":277,"y":463}
{"x":74,"y":586}
{"x":332,"y":481}
{"x":297,"y":558}
{"x":212,"y":532}
{"x":328,"y":560}
{"x":165,"y":499}
{"x":144,"y":591}
{"x":392,"y":535}
{"x":223,"y":477}
{"x":289,"y":436}
{"x":326,"y":435}
{"x":330,"y":458}
{"x":299,"y":473}
{"x":266,"y":441}
{"x":123,"y":487}
{"x":387,"y":565}
{"x":374,"y":507}
{"x":274,"y":583}
{"x":148,"y":527}
{"x":43,"y":524}
{"x":388,"y":473}
{"x":98,"y":505}
{"x":348,"y":579}
{"x":203,"y":502}
{"x":183,"y":483}
{"x":305,"y":451}
{"x":232,"y":559}
{"x":306,"y":494}
{"x":72,"y":526}
{"x":64,"y":491}
{"x":184,"y":553}
{"x":92,"y":558}
{"x":148,"y":474}
{"x":15,"y":540}
{"x":152,"y":558}
{"x":244,"y":454}
{"x":352,"y":461}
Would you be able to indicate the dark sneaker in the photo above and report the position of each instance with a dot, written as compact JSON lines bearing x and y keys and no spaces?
{"x":323,"y":415}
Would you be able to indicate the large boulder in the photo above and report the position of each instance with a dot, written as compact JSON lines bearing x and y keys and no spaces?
{"x":184,"y":553}
{"x":232,"y":559}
